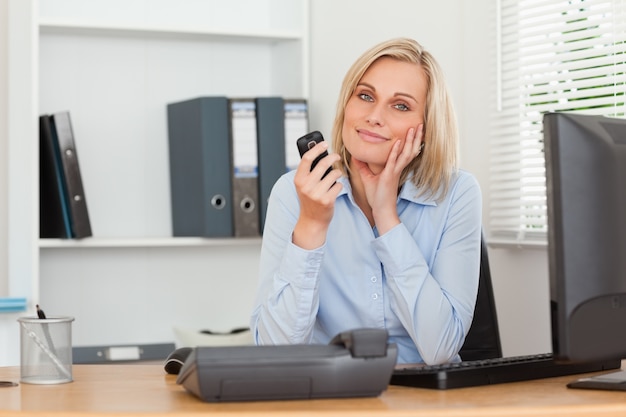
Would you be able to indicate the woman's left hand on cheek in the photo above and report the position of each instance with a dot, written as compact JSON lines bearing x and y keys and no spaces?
{"x":399,"y":160}
{"x":402,"y":155}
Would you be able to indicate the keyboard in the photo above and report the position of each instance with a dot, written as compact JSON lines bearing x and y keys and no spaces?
{"x":492,"y":371}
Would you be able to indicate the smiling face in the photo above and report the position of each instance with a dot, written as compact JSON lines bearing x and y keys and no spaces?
{"x":388,"y":101}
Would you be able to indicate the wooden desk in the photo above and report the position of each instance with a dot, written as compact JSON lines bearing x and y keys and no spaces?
{"x":145,"y":390}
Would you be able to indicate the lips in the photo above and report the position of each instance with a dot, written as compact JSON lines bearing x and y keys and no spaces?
{"x":371,"y":137}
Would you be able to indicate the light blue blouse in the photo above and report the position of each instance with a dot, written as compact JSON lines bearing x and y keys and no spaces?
{"x":419,"y":281}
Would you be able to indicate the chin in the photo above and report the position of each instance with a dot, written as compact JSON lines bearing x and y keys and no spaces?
{"x":373,"y":156}
{"x":375,"y":164}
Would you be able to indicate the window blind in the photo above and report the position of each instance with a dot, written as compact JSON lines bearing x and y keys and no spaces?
{"x":553,"y":56}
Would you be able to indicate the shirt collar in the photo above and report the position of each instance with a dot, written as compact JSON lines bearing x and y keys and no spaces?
{"x":408,"y":192}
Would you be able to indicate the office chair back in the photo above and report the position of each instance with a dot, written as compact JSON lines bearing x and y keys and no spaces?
{"x":483,"y":339}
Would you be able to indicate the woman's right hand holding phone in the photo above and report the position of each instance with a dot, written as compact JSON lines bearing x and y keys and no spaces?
{"x":317,"y":197}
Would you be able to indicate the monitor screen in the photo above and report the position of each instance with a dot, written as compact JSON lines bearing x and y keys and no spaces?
{"x":586,"y":197}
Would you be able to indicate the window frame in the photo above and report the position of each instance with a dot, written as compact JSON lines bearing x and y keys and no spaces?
{"x":551,"y":55}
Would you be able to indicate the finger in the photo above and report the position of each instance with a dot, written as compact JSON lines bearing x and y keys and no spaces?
{"x":413,"y":141}
{"x":402,"y":152}
{"x":330,"y":180}
{"x":419,"y":139}
{"x":315,"y":151}
{"x":310,"y":156}
{"x":324,"y":166}
{"x":410,"y":136}
{"x":413,"y":144}
{"x":399,"y":148}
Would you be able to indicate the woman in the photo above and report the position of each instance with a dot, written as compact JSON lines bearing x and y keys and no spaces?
{"x":390,"y":238}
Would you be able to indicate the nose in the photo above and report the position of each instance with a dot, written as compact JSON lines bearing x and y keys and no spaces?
{"x":375,"y":116}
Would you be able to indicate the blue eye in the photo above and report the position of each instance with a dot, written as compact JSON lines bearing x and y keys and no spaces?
{"x":402,"y":107}
{"x":366,"y":97}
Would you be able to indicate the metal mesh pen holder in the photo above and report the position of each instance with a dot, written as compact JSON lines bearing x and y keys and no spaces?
{"x":45,"y":350}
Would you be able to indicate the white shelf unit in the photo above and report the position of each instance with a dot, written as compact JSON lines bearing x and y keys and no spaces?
{"x":116,"y":78}
{"x":114,"y":65}
{"x":140,"y":242}
{"x":50,"y":26}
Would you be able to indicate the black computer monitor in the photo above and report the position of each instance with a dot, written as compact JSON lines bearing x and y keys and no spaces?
{"x":586,"y":198}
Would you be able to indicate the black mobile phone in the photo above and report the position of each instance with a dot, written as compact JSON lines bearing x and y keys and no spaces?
{"x":308,"y":141}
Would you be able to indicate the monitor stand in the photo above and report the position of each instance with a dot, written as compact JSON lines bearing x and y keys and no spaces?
{"x":614,"y":381}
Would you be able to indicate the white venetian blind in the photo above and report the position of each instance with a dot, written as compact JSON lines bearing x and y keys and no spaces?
{"x":553,"y":56}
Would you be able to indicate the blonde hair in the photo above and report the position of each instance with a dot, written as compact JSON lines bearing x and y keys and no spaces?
{"x":433,"y":168}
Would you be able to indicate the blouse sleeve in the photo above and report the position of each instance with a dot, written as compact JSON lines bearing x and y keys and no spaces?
{"x":287,"y":298}
{"x":434,"y":298}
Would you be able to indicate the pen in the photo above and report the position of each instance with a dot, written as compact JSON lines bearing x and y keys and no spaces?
{"x":40,"y":312}
{"x":46,"y":331}
{"x":50,"y":349}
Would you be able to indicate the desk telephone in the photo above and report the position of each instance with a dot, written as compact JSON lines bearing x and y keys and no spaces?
{"x":356,"y":363}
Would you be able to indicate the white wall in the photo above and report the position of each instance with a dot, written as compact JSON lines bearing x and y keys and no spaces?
{"x":4,"y":278}
{"x":18,"y":266}
{"x":460,"y":35}
{"x":4,"y":192}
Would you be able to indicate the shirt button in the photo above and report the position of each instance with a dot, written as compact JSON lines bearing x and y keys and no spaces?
{"x":374,"y":296}
{"x":373,"y":279}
